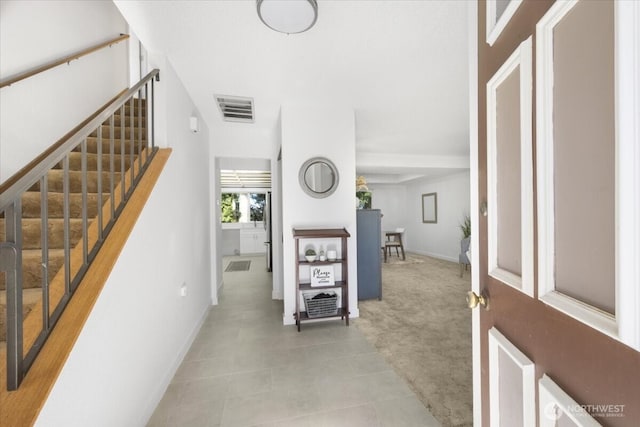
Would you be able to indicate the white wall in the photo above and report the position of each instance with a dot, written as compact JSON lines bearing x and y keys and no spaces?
{"x":276,"y":216}
{"x":245,"y":163}
{"x":392,"y":201}
{"x":216,"y":230}
{"x":230,"y":241}
{"x":441,"y":240}
{"x":241,"y":140}
{"x":140,"y":327}
{"x":327,"y":131}
{"x":38,"y":111}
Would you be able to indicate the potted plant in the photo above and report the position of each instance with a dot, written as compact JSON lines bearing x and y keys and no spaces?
{"x":310,"y":255}
{"x":465,"y":227}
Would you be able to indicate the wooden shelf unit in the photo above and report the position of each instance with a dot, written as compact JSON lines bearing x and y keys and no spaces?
{"x":300,"y":261}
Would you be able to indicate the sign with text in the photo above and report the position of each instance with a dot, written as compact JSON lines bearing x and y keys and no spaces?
{"x":322,"y":276}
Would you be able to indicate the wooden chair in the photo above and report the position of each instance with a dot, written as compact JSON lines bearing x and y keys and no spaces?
{"x":394,"y":240}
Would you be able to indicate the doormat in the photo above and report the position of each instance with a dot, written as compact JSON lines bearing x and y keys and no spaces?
{"x":238,"y":266}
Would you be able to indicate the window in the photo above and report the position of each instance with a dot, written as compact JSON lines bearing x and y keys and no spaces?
{"x":242,"y":207}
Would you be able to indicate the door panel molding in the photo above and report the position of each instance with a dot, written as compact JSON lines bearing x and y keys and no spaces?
{"x":555,"y":403}
{"x":521,"y":61}
{"x":591,"y":316}
{"x":495,"y":23}
{"x":500,"y":346}
{"x":625,"y":324}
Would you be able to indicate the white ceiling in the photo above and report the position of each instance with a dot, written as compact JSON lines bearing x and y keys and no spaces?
{"x":402,"y":66}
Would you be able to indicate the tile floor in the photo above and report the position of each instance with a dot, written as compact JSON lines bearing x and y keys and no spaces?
{"x":246,"y":369}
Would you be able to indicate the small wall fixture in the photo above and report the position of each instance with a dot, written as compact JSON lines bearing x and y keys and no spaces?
{"x":193,"y":124}
{"x":288,"y":16}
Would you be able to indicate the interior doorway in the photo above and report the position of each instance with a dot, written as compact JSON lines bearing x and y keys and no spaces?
{"x":243,"y":217}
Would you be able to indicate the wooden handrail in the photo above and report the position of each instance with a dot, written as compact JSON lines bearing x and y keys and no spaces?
{"x":32,"y":72}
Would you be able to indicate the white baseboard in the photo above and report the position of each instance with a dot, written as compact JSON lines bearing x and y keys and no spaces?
{"x":160,"y":390}
{"x":434,"y":255}
{"x":219,"y":289}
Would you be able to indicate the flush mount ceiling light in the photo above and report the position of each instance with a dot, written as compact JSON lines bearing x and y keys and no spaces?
{"x":288,"y":16}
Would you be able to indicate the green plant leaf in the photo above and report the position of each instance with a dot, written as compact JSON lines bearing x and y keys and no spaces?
{"x":465,"y":227}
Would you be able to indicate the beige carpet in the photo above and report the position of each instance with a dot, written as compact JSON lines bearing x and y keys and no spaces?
{"x":422,"y":327}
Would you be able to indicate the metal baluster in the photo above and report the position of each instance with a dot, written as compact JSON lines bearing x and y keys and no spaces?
{"x":153,"y":113}
{"x":65,"y":214}
{"x":85,"y":203}
{"x":146,"y":122}
{"x":44,"y":236}
{"x":123,"y":121}
{"x":11,"y":261}
{"x":132,"y":160}
{"x":112,"y":167}
{"x":99,"y":190}
{"x":139,"y":132}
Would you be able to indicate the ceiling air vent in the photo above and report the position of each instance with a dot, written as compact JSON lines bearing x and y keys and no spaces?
{"x":235,"y":108}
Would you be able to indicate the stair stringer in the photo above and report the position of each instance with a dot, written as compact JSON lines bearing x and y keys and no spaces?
{"x":28,"y":400}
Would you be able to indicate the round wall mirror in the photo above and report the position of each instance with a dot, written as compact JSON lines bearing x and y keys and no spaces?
{"x":318,"y":177}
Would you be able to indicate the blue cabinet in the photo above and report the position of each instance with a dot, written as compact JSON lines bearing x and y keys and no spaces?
{"x":369,"y":253}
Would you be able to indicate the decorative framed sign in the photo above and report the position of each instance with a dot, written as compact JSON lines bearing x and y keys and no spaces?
{"x":322,"y":276}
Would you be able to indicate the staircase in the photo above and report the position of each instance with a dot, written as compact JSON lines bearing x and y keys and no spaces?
{"x":98,"y":163}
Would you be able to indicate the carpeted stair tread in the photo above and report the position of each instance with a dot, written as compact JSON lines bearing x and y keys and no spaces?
{"x":75,"y":161}
{"x":32,"y":230}
{"x":92,"y":145}
{"x":138,"y":133}
{"x":55,"y":181}
{"x":55,"y":204}
{"x":118,"y":121}
{"x":32,"y":267}
{"x":30,"y":297}
{"x":127,"y":108}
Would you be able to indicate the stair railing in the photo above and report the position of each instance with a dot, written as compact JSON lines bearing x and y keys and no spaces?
{"x":115,"y":183}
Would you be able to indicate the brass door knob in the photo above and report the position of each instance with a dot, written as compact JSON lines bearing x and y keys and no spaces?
{"x":483,"y":209}
{"x":473,"y":300}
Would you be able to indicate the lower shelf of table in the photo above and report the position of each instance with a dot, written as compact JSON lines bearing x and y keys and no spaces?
{"x":342,"y":313}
